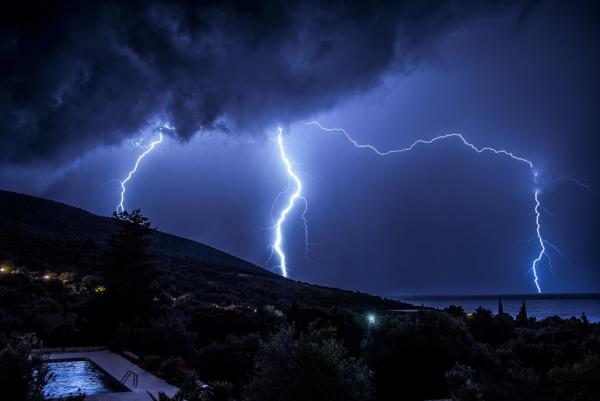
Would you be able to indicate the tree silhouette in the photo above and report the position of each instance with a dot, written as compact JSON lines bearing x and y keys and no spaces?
{"x":522,"y":315}
{"x":130,"y":277}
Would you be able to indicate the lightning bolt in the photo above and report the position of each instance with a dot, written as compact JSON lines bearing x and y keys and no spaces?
{"x":422,"y":141}
{"x":538,"y":228}
{"x":121,"y":205}
{"x":583,"y":184}
{"x":295,"y":196}
{"x":305,"y":226}
{"x":470,"y":145}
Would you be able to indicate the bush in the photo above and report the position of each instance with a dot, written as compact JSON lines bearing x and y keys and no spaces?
{"x":175,"y":371}
{"x":490,"y":329}
{"x":579,"y":381}
{"x":231,"y":360}
{"x":411,"y":354}
{"x":462,"y":384}
{"x":22,"y":375}
{"x":311,"y":367}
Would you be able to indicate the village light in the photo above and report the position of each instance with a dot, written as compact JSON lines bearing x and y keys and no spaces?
{"x":100,"y":289}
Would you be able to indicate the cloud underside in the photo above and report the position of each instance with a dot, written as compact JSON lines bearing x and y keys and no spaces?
{"x":80,"y":75}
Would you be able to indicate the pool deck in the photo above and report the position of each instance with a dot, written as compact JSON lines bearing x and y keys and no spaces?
{"x":117,"y":366}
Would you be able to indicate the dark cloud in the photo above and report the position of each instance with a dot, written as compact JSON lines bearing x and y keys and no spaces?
{"x":442,"y":219}
{"x":77,"y":75}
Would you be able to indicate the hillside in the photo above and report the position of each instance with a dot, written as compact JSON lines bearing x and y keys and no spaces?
{"x":212,"y":317}
{"x":46,"y":236}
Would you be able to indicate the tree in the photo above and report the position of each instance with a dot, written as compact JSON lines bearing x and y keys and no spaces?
{"x":454,"y":310}
{"x":130,"y":277}
{"x":577,"y":381}
{"x":410,"y":354}
{"x":500,"y":307}
{"x":312,"y":367}
{"x":462,"y":383}
{"x":522,"y":315}
{"x":22,"y":375}
{"x":488,"y":329}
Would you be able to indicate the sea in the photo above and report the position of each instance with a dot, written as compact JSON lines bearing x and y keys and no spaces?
{"x":538,"y":306}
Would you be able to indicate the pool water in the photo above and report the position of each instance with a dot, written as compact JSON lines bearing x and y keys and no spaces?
{"x":78,"y":376}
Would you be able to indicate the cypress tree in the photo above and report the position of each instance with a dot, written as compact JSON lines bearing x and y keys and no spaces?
{"x":522,"y":315}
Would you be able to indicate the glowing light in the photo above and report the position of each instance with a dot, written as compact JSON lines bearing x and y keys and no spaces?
{"x":297,"y":194}
{"x":470,"y":145}
{"x":371,"y":319}
{"x":100,"y":289}
{"x":121,"y":205}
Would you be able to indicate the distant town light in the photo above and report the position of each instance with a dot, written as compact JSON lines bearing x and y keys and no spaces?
{"x":100,"y":289}
{"x":371,"y":319}
{"x":46,"y":277}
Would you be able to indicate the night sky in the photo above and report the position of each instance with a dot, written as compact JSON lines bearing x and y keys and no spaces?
{"x":82,"y":82}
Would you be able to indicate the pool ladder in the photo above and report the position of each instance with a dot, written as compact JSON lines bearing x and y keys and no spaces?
{"x":130,"y":373}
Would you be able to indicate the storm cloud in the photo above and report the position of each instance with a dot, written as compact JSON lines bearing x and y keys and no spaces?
{"x":78,"y":78}
{"x":78,"y":75}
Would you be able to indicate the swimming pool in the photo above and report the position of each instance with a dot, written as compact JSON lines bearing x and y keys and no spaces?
{"x":78,"y":376}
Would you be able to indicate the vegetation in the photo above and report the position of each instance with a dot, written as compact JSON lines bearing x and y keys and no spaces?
{"x":22,"y":375}
{"x":313,"y":366}
{"x":48,"y":239}
{"x":202,"y":315}
{"x":129,"y":276}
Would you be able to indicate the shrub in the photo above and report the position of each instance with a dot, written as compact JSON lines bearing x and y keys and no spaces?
{"x":175,"y":371}
{"x":311,"y":367}
{"x":22,"y":375}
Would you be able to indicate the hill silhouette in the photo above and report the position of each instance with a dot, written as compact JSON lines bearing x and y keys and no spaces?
{"x":41,"y":235}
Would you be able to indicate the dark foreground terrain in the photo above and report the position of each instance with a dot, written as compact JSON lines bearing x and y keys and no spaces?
{"x":189,"y":311}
